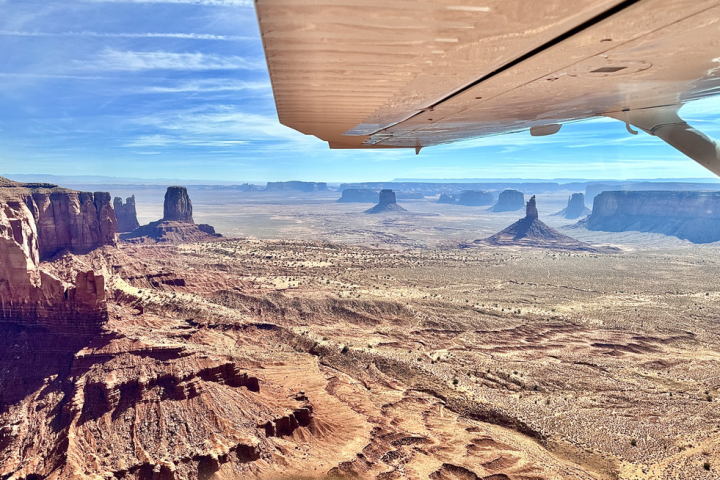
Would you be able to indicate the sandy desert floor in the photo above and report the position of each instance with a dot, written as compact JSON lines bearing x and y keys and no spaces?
{"x":400,"y":354}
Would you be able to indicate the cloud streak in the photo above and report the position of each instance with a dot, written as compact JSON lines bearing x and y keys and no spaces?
{"x":130,"y":61}
{"x":184,"y":36}
{"x":210,"y":85}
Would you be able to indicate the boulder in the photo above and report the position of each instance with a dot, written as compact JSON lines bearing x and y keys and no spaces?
{"x":509,"y":201}
{"x":475,"y":198}
{"x":126,"y":214}
{"x":178,"y":207}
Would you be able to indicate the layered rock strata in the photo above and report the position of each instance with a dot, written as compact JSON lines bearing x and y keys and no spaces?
{"x":509,"y":201}
{"x":126,"y":214}
{"x":693,"y":216}
{"x":475,"y":198}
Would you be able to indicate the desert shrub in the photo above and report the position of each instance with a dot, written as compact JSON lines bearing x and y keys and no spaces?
{"x":345,"y":349}
{"x":633,"y":442}
{"x":455,"y":381}
{"x":706,"y":466}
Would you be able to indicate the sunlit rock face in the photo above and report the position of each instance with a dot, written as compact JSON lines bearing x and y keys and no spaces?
{"x":178,"y":207}
{"x":74,"y":221}
{"x":693,"y":216}
{"x":126,"y":214}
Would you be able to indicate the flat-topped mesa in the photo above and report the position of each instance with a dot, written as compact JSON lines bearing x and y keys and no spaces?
{"x":475,"y":198}
{"x":531,"y":211}
{"x":693,"y":216}
{"x":178,"y":207}
{"x":509,"y":201}
{"x":358,"y":195}
{"x":126,"y":214}
{"x":387,"y":197}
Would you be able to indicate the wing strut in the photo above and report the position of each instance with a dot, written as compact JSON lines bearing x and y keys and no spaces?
{"x":665,"y":123}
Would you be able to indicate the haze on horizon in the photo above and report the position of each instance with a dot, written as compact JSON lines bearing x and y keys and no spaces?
{"x":179,"y":89}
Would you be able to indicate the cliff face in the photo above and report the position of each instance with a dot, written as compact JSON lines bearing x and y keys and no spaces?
{"x":177,"y":207}
{"x":126,"y":214}
{"x":30,"y":296}
{"x":693,"y":216}
{"x":509,"y":201}
{"x":386,"y":203}
{"x":76,"y":221}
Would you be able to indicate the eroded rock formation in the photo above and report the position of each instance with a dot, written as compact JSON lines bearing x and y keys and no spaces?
{"x":530,"y":231}
{"x":177,"y":225}
{"x":126,"y":214}
{"x":386,"y":203}
{"x":475,"y":198}
{"x":177,"y":207}
{"x":693,"y":216}
{"x":575,"y":208}
{"x":509,"y":201}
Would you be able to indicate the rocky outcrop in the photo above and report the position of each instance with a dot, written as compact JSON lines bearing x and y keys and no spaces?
{"x":387,"y":203}
{"x":530,"y":231}
{"x":74,"y":221}
{"x":177,"y":207}
{"x":33,"y":297}
{"x":126,"y":214}
{"x":182,"y":230}
{"x":509,"y":201}
{"x":693,"y":216}
{"x":475,"y":198}
{"x":575,"y":208}
{"x":358,"y":195}
{"x":296,"y":186}
{"x":445,"y":198}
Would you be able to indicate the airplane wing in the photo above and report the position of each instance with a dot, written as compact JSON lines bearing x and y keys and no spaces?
{"x":417,"y":73}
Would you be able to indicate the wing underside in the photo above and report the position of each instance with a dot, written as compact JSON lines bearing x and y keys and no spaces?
{"x":383,"y":74}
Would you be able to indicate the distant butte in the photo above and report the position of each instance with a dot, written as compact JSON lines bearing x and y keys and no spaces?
{"x":530,"y":231}
{"x":177,"y":224}
{"x":387,"y":203}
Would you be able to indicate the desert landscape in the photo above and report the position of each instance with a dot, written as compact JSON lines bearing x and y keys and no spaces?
{"x":313,"y":340}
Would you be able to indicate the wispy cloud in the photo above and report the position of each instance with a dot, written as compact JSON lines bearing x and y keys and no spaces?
{"x":185,"y":36}
{"x":214,"y":3}
{"x":210,"y":85}
{"x":129,"y":61}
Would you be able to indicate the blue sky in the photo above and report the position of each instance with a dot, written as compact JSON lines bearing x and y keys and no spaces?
{"x":179,"y":89}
